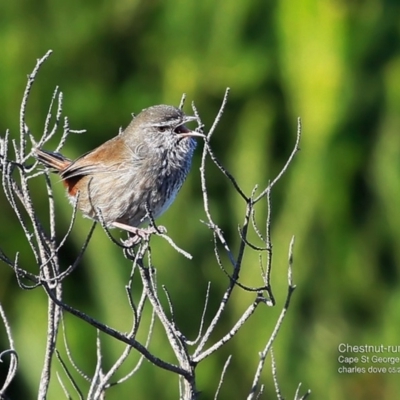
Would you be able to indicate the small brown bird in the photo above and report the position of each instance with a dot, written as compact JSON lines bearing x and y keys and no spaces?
{"x":141,"y":169}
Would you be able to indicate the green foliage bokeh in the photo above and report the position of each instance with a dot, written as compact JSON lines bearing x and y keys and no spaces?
{"x":334,"y":63}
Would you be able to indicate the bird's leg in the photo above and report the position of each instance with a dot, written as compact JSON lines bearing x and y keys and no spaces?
{"x":138,"y":233}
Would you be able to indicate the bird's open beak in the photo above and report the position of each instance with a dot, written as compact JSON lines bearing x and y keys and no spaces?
{"x":182,"y":131}
{"x":190,"y":134}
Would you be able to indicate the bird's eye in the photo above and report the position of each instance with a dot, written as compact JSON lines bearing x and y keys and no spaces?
{"x":162,"y":128}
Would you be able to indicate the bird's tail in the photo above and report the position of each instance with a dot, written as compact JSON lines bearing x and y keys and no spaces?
{"x":52,"y":160}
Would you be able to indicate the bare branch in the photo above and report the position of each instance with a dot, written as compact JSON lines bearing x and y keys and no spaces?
{"x":192,"y":343}
{"x":278,"y":325}
{"x":114,"y":333}
{"x":286,"y":166}
{"x":197,"y":357}
{"x":12,"y":369}
{"x":69,"y":376}
{"x":221,"y":380}
{"x":274,"y":376}
{"x":296,"y":397}
{"x":22,"y":125}
{"x":182,"y":102}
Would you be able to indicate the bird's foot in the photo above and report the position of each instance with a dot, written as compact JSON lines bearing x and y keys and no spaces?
{"x":138,"y":234}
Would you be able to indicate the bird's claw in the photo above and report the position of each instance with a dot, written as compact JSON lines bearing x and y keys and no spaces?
{"x":143,"y":234}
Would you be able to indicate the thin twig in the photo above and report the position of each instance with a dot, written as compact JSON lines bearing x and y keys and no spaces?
{"x":202,"y":319}
{"x":69,"y":376}
{"x":182,"y":102}
{"x":274,"y":375}
{"x":278,"y":325}
{"x":221,"y":379}
{"x":22,"y":124}
{"x":286,"y":166}
{"x":198,"y":356}
{"x":12,"y":369}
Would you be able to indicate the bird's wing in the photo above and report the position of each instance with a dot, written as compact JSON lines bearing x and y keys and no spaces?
{"x":110,"y":157}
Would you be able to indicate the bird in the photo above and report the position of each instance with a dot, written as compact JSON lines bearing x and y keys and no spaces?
{"x":133,"y":177}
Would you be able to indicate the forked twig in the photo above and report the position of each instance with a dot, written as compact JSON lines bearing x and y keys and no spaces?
{"x":264,"y":353}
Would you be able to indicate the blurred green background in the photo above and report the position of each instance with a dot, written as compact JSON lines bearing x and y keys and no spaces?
{"x":334,"y":63}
